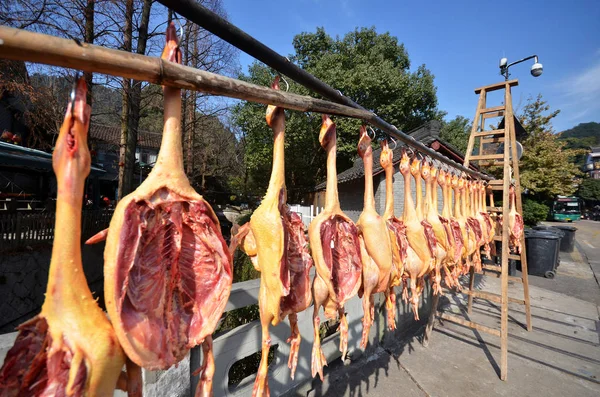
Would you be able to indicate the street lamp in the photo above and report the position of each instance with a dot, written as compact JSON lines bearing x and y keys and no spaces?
{"x":536,"y":69}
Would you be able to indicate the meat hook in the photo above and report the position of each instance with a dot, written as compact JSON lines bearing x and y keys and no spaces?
{"x":287,"y":86}
{"x":373,"y":131}
{"x":181,"y":31}
{"x":395,"y":143}
{"x":73,"y":93}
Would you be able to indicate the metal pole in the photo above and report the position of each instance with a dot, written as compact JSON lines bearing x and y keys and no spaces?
{"x":504,"y":71}
{"x":222,"y":28}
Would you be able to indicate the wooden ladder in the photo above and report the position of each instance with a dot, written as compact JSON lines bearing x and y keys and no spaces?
{"x":509,"y":161}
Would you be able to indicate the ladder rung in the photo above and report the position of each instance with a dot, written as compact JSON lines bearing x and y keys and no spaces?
{"x":493,"y":114}
{"x":491,"y":296}
{"x":497,"y":86}
{"x":495,"y":209}
{"x":470,"y":324}
{"x":487,"y":157}
{"x":515,"y":257}
{"x":497,"y":238}
{"x":497,"y":187}
{"x":497,"y":139}
{"x":498,"y":270}
{"x":490,"y":132}
{"x":492,"y":109}
{"x":496,"y":182}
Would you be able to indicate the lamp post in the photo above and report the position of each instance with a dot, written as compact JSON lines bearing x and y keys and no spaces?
{"x":536,"y":69}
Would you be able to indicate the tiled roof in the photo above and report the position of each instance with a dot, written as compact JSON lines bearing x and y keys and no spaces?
{"x":426,"y":134}
{"x":112,"y":134}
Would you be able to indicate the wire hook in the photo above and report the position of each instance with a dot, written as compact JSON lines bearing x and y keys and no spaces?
{"x":73,"y":94}
{"x":395,"y":143}
{"x":287,"y":86}
{"x":409,"y":149}
{"x":181,"y":31}
{"x":371,"y":130}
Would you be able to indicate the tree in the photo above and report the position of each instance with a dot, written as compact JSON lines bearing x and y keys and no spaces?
{"x":546,"y":168}
{"x":456,"y":132}
{"x":370,"y":68}
{"x":130,"y":119}
{"x":589,"y":190}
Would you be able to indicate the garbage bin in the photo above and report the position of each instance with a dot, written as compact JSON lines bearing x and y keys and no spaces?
{"x":552,"y":229}
{"x":542,"y":252}
{"x":567,"y":243}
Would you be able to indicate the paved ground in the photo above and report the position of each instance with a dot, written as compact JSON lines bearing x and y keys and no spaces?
{"x":561,"y":356}
{"x":573,"y":278}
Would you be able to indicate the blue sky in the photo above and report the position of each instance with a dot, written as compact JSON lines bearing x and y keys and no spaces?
{"x":461,"y":42}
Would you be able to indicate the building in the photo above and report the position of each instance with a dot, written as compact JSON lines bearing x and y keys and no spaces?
{"x":592,"y":163}
{"x":351,"y":182}
{"x":104,"y":145}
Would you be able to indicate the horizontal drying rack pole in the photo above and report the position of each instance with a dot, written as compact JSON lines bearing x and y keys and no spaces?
{"x":22,"y":45}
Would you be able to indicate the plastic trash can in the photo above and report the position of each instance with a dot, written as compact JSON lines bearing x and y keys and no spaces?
{"x":542,"y":252}
{"x":552,"y":229}
{"x":567,"y":243}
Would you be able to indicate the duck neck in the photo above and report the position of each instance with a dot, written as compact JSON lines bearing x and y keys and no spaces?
{"x":331,"y":191}
{"x":389,"y":192}
{"x":277,"y":181}
{"x":369,"y":195}
{"x":419,"y":196}
{"x":409,"y":206}
{"x":65,"y":276}
{"x":170,"y":156}
{"x":434,"y":192}
{"x":457,"y":213}
{"x":463,"y":204}
{"x":429,"y":198}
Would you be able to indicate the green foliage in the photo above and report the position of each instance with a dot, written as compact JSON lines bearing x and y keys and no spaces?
{"x":546,"y":168}
{"x":584,"y":130}
{"x":581,"y":137}
{"x":456,"y":132}
{"x":589,"y":189}
{"x":534,"y":212}
{"x":370,"y":68}
{"x":534,"y":118}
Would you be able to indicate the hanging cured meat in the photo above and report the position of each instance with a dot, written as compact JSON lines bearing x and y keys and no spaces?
{"x":274,"y":239}
{"x":336,"y":251}
{"x":375,"y":245}
{"x":460,"y":213}
{"x":429,"y":174}
{"x":167,"y":269}
{"x":452,"y":228}
{"x":482,"y":217}
{"x":419,"y":256}
{"x":515,"y":223}
{"x":70,"y":348}
{"x":474,"y":223}
{"x":489,"y":220}
{"x":397,"y":233}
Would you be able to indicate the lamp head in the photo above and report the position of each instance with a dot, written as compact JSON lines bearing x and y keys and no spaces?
{"x":537,"y":69}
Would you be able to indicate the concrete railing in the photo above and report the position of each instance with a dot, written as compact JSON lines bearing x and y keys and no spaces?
{"x":243,"y":341}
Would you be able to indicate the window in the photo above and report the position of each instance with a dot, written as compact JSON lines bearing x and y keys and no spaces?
{"x":144,"y":157}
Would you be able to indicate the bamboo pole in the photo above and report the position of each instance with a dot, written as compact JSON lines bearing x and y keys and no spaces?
{"x":28,"y":46}
{"x":22,"y":45}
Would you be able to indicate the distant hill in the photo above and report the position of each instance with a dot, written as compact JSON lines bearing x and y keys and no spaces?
{"x":584,"y":130}
{"x":582,"y":136}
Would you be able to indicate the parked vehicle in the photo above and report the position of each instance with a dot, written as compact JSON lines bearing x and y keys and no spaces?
{"x":566,"y":208}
